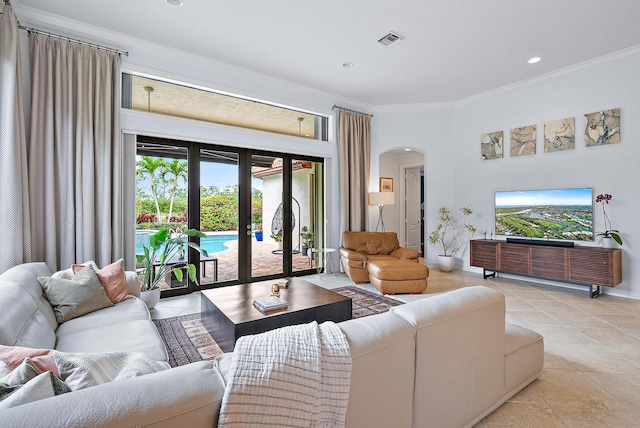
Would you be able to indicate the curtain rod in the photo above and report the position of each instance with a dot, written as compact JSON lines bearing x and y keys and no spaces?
{"x":68,"y":39}
{"x":351,"y":110}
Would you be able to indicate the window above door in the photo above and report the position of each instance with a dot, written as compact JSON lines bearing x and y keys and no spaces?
{"x":171,"y":99}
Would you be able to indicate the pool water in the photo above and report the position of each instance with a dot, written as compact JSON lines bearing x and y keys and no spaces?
{"x":215,"y":243}
{"x":211,"y":243}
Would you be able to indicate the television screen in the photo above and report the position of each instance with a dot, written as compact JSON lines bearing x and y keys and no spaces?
{"x":549,"y":214}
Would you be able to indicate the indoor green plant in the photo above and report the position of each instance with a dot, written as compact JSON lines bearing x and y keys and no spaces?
{"x":609,"y":233}
{"x":307,"y":239}
{"x":451,"y":234}
{"x":162,"y":248}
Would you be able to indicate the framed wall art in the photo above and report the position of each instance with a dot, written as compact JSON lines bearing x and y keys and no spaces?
{"x":492,"y":145}
{"x":602,"y":127}
{"x":523,"y":141}
{"x":386,"y":184}
{"x":560,"y":135}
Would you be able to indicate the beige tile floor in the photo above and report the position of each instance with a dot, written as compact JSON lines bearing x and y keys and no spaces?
{"x":592,"y":350}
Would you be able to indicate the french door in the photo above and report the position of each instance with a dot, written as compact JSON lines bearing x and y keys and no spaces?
{"x":260,"y":210}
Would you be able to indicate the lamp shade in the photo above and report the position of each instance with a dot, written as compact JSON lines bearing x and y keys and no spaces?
{"x":381,"y":198}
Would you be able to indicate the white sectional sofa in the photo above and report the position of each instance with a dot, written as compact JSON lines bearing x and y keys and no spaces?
{"x":444,"y":361}
{"x":27,"y":319}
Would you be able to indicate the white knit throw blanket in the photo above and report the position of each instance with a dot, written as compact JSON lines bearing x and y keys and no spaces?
{"x":295,"y":376}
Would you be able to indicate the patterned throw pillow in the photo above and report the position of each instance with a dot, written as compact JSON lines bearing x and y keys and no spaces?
{"x":74,"y":298}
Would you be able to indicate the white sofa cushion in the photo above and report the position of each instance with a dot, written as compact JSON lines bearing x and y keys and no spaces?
{"x":459,"y":355}
{"x":523,"y":357}
{"x":382,"y":351}
{"x":26,"y":316}
{"x":123,"y":312}
{"x":25,"y":321}
{"x":133,"y":336}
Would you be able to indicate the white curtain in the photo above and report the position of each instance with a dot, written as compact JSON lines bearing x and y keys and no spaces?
{"x":14,"y":190}
{"x":75,"y":153}
{"x":354,"y":152}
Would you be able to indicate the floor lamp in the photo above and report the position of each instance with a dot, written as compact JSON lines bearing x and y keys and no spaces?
{"x":381,"y":199}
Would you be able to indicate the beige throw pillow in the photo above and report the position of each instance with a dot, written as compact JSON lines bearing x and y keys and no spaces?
{"x":74,"y":298}
{"x":112,"y":278}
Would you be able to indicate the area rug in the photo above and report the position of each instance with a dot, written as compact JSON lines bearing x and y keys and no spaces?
{"x":365,"y":302}
{"x":187,"y":340}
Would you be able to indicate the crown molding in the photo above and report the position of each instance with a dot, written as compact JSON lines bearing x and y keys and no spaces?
{"x":592,"y":64}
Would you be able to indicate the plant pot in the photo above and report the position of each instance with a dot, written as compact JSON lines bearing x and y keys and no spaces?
{"x":279,"y":246}
{"x":150,"y":298}
{"x":258,"y":235}
{"x":609,"y":243}
{"x":446,"y":263}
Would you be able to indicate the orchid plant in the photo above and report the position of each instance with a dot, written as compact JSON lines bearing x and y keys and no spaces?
{"x":609,"y":232}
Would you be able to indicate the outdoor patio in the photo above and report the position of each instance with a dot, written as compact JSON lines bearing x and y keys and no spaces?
{"x":265,"y":262}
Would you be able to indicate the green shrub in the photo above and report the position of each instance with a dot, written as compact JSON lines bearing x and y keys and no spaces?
{"x":219,"y":213}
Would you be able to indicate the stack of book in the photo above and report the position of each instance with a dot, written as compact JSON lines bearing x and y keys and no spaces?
{"x":268,"y":304}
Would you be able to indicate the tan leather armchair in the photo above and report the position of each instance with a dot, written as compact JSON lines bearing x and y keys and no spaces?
{"x":358,"y":248}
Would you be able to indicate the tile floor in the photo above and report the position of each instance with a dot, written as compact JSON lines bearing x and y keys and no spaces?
{"x":592,"y":350}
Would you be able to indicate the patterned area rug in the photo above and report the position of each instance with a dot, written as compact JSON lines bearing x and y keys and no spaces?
{"x":187,"y":341}
{"x":365,"y":302}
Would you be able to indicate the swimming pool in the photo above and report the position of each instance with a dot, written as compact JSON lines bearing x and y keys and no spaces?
{"x":211,"y":243}
{"x":215,"y":243}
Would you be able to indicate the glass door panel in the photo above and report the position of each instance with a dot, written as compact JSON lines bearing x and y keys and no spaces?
{"x":161,"y":199}
{"x":306,"y":195}
{"x":219,"y":202}
{"x":267,"y":216}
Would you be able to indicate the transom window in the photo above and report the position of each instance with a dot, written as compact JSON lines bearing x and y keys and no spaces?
{"x":157,"y":96}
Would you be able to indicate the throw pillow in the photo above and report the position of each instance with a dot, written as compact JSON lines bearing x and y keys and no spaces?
{"x":69,"y":273}
{"x":40,"y":359}
{"x":74,"y":298}
{"x":44,"y":385}
{"x":112,"y":278}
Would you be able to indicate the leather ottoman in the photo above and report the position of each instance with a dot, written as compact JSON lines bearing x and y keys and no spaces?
{"x":398,"y":276}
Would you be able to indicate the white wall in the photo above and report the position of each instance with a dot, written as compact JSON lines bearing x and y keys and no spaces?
{"x":427,"y":129}
{"x":456,"y":176}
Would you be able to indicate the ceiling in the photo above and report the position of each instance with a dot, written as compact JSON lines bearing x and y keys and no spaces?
{"x":452,"y":49}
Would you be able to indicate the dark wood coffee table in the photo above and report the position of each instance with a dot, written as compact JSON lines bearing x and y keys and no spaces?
{"x":228,"y":312}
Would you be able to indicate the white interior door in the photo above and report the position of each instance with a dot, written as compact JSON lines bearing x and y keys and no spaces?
{"x":412,"y":209}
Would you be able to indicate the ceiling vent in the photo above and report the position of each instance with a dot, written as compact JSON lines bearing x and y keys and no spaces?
{"x":391,"y":39}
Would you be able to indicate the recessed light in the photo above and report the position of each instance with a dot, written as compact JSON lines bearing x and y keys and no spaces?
{"x":347,"y":64}
{"x":175,"y":2}
{"x":407,"y":150}
{"x":534,"y":60}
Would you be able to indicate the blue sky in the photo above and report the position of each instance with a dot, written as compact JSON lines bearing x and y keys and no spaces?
{"x":214,"y":174}
{"x":581,"y":196}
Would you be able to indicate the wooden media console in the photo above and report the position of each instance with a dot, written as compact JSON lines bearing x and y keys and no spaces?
{"x":586,"y":266}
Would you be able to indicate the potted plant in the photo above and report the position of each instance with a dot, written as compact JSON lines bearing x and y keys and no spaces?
{"x":452,"y":235}
{"x":278,"y":239}
{"x":609,"y":235}
{"x":307,"y":239}
{"x":160,"y":255}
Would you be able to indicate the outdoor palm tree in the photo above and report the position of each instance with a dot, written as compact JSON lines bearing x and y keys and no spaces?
{"x":177,"y":170}
{"x":149,"y":166}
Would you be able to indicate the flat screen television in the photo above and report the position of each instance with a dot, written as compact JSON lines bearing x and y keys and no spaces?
{"x":565,"y":214}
